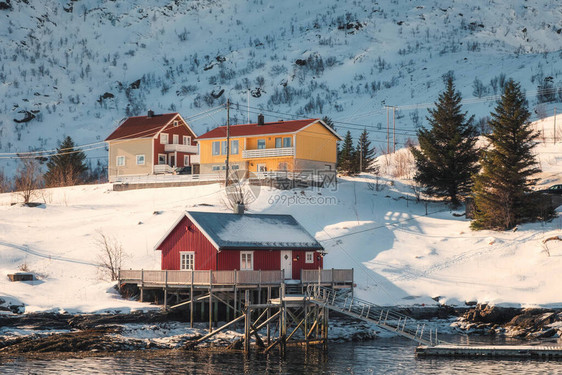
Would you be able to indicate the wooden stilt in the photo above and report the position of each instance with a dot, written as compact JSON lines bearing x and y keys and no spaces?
{"x":268,"y":315}
{"x":247,"y":322}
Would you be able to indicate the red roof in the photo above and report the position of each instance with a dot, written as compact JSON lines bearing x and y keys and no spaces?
{"x":141,"y":126}
{"x":255,"y":129}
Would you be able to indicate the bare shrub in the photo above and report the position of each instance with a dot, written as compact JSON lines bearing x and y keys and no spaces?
{"x":5,"y":183}
{"x":28,"y":179}
{"x":111,"y":255}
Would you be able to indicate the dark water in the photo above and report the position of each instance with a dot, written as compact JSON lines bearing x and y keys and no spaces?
{"x":383,"y":356}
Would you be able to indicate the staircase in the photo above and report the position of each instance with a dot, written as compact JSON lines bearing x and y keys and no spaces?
{"x":385,"y":318}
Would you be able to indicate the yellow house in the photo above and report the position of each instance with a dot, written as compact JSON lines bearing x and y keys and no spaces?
{"x":297,"y":145}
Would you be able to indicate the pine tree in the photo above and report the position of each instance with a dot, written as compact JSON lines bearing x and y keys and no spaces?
{"x":328,"y":121}
{"x":447,"y":157}
{"x":366,"y":154}
{"x":67,"y":166}
{"x":347,"y":160}
{"x":502,"y":191}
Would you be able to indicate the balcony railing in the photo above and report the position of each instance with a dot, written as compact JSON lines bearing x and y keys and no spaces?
{"x":172,"y":147}
{"x":268,"y":152}
{"x":275,"y":277}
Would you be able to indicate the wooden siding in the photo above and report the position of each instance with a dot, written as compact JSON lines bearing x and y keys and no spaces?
{"x":300,"y":263}
{"x":129,"y":148}
{"x":316,"y":143}
{"x":187,"y":237}
{"x":180,"y":130}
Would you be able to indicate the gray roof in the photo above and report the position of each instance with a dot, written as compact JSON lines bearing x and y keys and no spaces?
{"x":253,"y":231}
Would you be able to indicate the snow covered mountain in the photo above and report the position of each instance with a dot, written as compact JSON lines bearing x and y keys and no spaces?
{"x":79,"y":67}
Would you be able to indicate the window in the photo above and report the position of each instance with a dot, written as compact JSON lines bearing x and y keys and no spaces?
{"x":187,"y":260}
{"x":140,"y":159}
{"x":161,"y":159}
{"x":234,"y":147}
{"x":278,"y":142}
{"x":246,"y":260}
{"x":176,"y":123}
{"x":261,"y":144}
{"x":235,"y":167}
{"x":164,"y":138}
{"x":185,"y":160}
{"x":176,"y":139}
{"x":216,"y":168}
{"x":216,"y":148}
{"x":120,"y":161}
{"x":224,"y":147}
{"x":283,"y":166}
{"x":286,"y":141}
{"x":186,"y":140}
{"x":309,"y":257}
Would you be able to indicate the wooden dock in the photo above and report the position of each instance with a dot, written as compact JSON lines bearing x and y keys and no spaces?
{"x":491,"y":351}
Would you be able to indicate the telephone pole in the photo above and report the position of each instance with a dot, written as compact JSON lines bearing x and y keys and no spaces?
{"x":227,"y":139}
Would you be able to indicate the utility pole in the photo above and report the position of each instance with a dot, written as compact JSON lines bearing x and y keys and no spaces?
{"x":360,"y":156}
{"x":387,"y":132}
{"x":393,"y":129}
{"x":227,"y":140}
{"x":554,"y":125}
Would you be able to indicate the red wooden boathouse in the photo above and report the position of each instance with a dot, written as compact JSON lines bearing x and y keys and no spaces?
{"x":229,"y":241}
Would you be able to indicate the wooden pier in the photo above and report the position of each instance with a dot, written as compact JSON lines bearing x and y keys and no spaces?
{"x":491,"y":351}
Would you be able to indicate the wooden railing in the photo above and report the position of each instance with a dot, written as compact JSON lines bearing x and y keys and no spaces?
{"x":187,"y":278}
{"x":327,"y":276}
{"x":268,"y":152}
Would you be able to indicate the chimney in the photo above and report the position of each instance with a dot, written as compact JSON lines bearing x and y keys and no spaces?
{"x":239,"y":209}
{"x":260,"y":119}
{"x":150,"y":113}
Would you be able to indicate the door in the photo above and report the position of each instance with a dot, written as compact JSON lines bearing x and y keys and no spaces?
{"x":172,"y":161}
{"x":287,"y":263}
{"x":261,"y":168}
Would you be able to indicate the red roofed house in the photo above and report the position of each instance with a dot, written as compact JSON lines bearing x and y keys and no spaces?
{"x":274,"y":146}
{"x":151,"y":144}
{"x":227,"y":241}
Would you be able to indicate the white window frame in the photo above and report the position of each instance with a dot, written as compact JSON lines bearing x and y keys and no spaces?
{"x":185,"y":261}
{"x":165,"y":159}
{"x":233,"y":149}
{"x":244,"y":255}
{"x":164,"y":139}
{"x":141,"y":159}
{"x":309,"y":257}
{"x":120,"y":161}
{"x":185,"y":160}
{"x":264,"y":144}
{"x":223,"y":147}
{"x":175,"y":139}
{"x":280,"y":142}
{"x":216,"y":168}
{"x":176,"y":123}
{"x":187,"y":140}
{"x":216,"y":149}
{"x":289,"y":143}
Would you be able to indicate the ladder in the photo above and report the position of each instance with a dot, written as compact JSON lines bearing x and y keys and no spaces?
{"x":383,"y":317}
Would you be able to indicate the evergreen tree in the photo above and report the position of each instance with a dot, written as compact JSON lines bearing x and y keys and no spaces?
{"x":347,"y":160}
{"x":67,"y":166}
{"x":446,"y":159}
{"x":366,"y":154}
{"x":328,"y":121}
{"x":502,"y":191}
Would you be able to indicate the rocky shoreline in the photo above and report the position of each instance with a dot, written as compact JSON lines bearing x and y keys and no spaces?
{"x":526,"y":323}
{"x":91,"y":334}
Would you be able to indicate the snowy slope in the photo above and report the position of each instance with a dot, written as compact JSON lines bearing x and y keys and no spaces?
{"x":59,"y":59}
{"x":403,"y":252}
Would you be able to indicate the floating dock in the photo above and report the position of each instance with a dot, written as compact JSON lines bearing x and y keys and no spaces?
{"x":485,"y":351}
